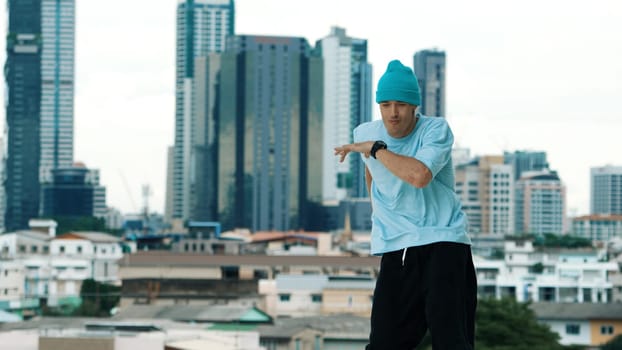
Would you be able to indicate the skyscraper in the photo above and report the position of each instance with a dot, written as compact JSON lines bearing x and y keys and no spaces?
{"x":57,"y":85}
{"x":347,"y":103}
{"x":202,"y":28}
{"x":523,"y":161}
{"x":606,"y":190}
{"x":269,"y":133}
{"x":40,"y":79}
{"x":429,"y":67}
{"x":23,"y":79}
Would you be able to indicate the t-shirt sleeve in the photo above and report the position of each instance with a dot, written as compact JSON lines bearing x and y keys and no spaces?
{"x":436,"y":144}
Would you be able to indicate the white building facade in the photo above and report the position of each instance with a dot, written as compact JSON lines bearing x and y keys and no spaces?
{"x":528,"y":274}
{"x":347,"y":103}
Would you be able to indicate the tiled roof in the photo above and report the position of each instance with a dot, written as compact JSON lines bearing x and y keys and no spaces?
{"x":98,"y":237}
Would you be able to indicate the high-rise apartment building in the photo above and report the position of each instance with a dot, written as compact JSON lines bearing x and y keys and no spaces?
{"x":202,"y":28}
{"x":606,"y":190}
{"x":486,"y":189}
{"x":347,"y":103}
{"x":429,"y":67}
{"x":523,"y":161}
{"x":540,"y":202}
{"x":269,"y":136}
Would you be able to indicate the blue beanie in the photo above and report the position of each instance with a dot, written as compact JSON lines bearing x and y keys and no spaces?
{"x":398,"y":83}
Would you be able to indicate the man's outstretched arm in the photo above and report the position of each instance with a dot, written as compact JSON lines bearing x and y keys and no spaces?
{"x":408,"y":169}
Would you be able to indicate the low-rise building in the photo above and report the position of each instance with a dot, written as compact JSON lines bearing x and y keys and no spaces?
{"x":581,"y":323}
{"x":553,"y":275}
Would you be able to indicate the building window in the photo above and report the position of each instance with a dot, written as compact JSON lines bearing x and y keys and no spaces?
{"x":22,"y":249}
{"x":34,"y":249}
{"x":61,"y":249}
{"x":573,"y":328}
{"x":316,"y":298}
{"x":79,"y":249}
{"x":284,"y":297}
{"x":606,"y":330}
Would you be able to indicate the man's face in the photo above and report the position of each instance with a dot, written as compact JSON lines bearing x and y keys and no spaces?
{"x":398,"y":117}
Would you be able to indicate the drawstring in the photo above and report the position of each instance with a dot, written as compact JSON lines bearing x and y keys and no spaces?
{"x":404,"y":256}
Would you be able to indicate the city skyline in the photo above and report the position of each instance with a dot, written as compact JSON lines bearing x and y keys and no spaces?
{"x":517,"y":79}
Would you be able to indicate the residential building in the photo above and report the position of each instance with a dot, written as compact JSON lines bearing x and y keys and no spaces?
{"x":523,"y":161}
{"x":269,"y":129}
{"x":202,"y":28}
{"x":102,"y":251}
{"x":347,"y":103}
{"x":429,"y":67}
{"x":12,"y":286}
{"x":546,"y":275}
{"x":540,"y":203}
{"x":597,"y":227}
{"x":20,"y":244}
{"x":581,"y":324}
{"x":606,"y":190}
{"x":486,"y":189}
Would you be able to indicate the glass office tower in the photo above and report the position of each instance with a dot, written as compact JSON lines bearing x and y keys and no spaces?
{"x":269,"y":133}
{"x":202,"y":28}
{"x":23,"y":97}
{"x":429,"y":67}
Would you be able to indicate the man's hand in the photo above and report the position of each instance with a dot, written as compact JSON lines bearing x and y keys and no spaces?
{"x":360,"y":147}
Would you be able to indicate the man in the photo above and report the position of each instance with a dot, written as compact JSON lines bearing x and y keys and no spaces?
{"x":427,"y":279}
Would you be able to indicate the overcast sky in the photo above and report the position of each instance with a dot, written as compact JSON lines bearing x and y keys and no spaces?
{"x":521,"y":75}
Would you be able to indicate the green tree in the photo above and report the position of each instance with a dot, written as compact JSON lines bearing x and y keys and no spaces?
{"x":79,"y":223}
{"x":550,"y":240}
{"x":509,"y":325}
{"x":97,"y":298}
{"x":613,"y":344}
{"x":537,"y":267}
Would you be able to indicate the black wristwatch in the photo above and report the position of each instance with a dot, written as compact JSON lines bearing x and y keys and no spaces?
{"x":377,"y":146}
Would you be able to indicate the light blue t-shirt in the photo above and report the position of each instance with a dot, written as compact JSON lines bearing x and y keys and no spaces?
{"x":405,"y":216}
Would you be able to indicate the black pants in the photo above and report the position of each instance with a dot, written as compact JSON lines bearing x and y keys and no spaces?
{"x":434,"y":287}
